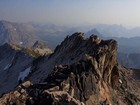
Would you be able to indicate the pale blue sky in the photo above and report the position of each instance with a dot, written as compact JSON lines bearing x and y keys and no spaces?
{"x":72,"y":12}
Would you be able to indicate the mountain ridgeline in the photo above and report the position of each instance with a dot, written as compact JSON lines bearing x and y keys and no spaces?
{"x":28,"y":34}
{"x":80,"y":71}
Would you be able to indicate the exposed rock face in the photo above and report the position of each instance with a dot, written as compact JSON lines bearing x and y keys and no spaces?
{"x":41,"y":48}
{"x":15,"y":65}
{"x":71,"y":50}
{"x":12,"y":62}
{"x":93,"y":77}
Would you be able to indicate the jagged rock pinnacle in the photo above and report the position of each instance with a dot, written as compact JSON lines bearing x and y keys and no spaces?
{"x":84,"y":71}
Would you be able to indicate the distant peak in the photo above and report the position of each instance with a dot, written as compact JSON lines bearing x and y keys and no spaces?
{"x":39,"y":44}
{"x":95,"y":32}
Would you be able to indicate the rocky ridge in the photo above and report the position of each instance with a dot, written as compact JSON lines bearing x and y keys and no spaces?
{"x":15,"y":64}
{"x":41,"y":48}
{"x":82,"y":72}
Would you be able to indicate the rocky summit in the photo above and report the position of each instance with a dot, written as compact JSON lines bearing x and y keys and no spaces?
{"x":81,"y":71}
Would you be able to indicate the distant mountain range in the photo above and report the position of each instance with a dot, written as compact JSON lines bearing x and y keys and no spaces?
{"x":115,"y":30}
{"x":50,"y":35}
{"x":19,"y":34}
{"x":26,"y":34}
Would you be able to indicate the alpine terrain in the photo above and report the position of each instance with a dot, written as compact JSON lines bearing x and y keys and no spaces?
{"x":80,"y":71}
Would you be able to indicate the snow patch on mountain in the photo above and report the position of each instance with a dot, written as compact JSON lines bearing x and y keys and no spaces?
{"x":20,"y":43}
{"x":24,"y":74}
{"x":7,"y":67}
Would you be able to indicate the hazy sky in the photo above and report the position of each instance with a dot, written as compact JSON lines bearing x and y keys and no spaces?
{"x":64,"y":12}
